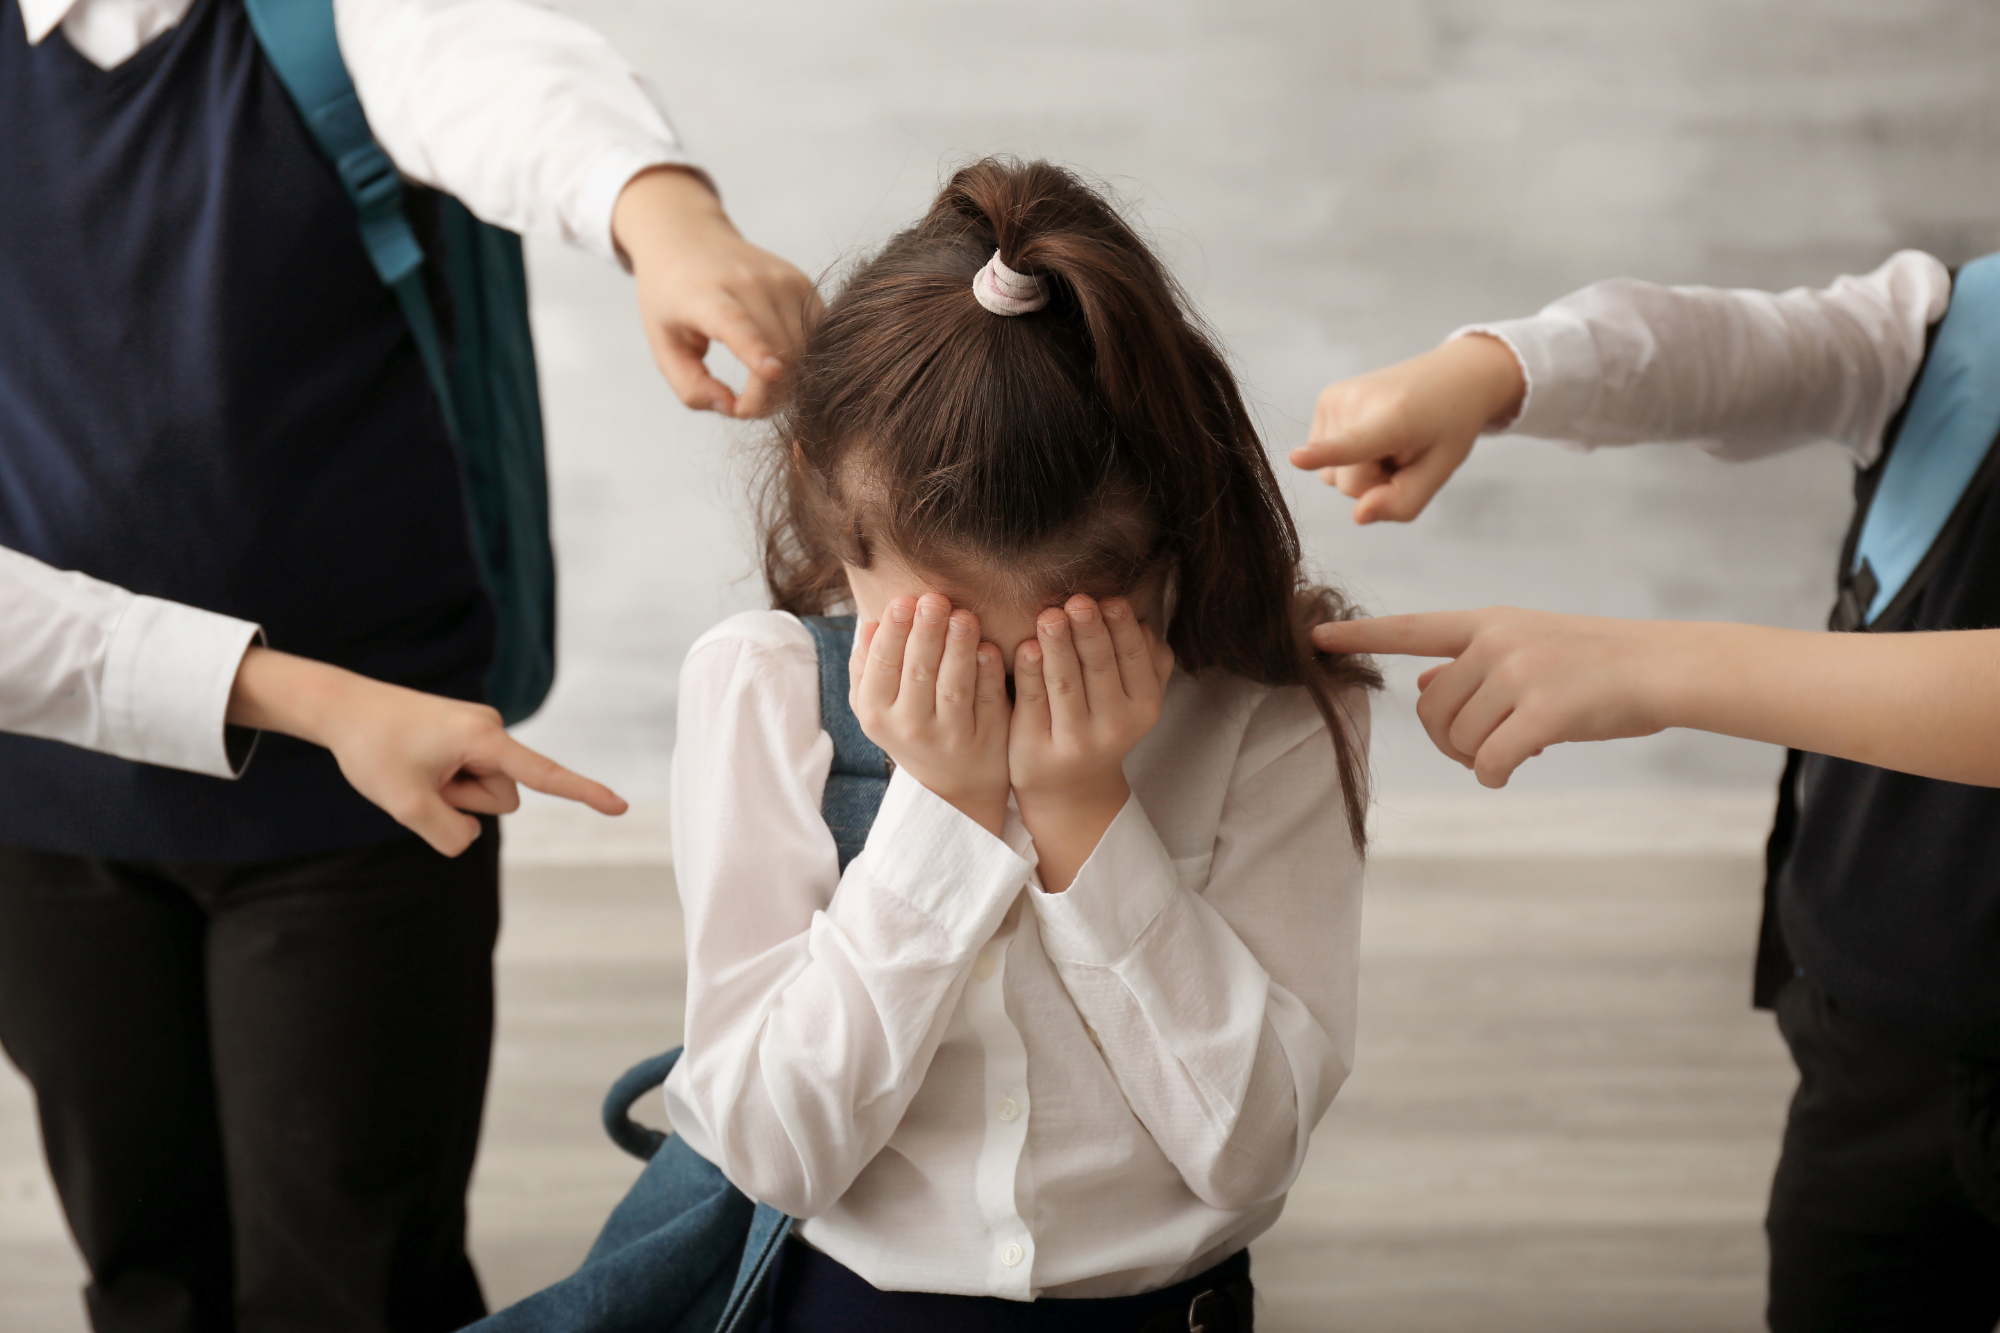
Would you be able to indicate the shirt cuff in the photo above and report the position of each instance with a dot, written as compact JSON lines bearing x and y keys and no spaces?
{"x":1559,"y":365}
{"x":1124,"y":886}
{"x":608,"y":179}
{"x":168,"y":673}
{"x":929,"y":853}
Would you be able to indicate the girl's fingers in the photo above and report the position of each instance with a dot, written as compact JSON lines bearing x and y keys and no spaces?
{"x":923,"y":655}
{"x":538,"y":772}
{"x":1031,"y":691}
{"x":1131,"y":647}
{"x":1103,"y":689}
{"x":958,"y":672}
{"x":989,"y":700}
{"x":882,"y":676}
{"x":1069,"y":709}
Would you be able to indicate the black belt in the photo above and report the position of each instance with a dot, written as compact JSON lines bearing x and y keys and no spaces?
{"x":1221,"y":1309}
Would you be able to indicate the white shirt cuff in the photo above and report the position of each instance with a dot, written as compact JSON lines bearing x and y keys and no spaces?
{"x":1124,"y":886}
{"x":1560,"y":366}
{"x":613,"y":171}
{"x":168,"y":673}
{"x":929,"y":853}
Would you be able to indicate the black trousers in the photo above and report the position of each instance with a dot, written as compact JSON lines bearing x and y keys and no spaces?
{"x":259,"y":1086}
{"x":1885,"y":1213}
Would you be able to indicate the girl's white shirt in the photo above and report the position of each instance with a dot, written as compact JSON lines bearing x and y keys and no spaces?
{"x":964,"y":1084}
{"x":530,"y":118}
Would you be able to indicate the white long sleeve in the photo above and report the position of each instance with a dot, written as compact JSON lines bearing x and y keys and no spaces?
{"x":940,"y":1067}
{"x":93,"y":665}
{"x":1741,"y":374}
{"x":530,"y":118}
{"x":1226,"y":1067}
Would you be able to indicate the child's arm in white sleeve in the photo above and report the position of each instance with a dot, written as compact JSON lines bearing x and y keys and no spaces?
{"x":815,"y":1001}
{"x":1740,"y":373}
{"x":91,"y":664}
{"x":1225,"y":1003}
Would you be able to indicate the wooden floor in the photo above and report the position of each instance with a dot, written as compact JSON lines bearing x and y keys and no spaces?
{"x":1563,"y":1115}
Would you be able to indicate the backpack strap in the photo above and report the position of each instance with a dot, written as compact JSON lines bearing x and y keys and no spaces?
{"x":859,"y":778}
{"x":299,"y":40}
{"x":1940,"y":462}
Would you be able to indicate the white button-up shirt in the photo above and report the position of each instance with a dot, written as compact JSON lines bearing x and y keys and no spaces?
{"x":528,"y":117}
{"x":93,"y":665}
{"x":1742,"y":374}
{"x":965,"y":1084}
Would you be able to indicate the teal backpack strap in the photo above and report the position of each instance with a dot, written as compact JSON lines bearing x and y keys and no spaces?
{"x":1938,"y":463}
{"x":299,"y":40}
{"x":859,"y":777}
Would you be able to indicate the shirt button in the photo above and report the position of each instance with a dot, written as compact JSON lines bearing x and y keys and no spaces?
{"x":985,"y":967}
{"x":1012,"y":1256}
{"x":1009,"y":1110}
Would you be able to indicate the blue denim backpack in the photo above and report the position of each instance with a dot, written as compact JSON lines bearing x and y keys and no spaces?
{"x":685,"y":1251}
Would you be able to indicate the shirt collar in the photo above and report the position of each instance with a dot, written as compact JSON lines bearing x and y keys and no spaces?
{"x":42,"y":17}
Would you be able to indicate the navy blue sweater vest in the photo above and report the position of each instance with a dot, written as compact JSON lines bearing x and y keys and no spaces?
{"x":207,"y":395}
{"x":1888,"y":886}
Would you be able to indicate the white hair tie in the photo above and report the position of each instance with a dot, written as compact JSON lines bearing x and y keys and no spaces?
{"x":1005,"y":292}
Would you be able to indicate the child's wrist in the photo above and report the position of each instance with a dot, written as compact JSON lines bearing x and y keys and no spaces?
{"x":658,"y":207}
{"x":1488,"y":368}
{"x":984,"y":806}
{"x":1063,"y":810}
{"x":291,"y":695}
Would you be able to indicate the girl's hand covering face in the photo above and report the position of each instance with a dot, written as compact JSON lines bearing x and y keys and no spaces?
{"x":934,"y":697}
{"x":1087,"y":687}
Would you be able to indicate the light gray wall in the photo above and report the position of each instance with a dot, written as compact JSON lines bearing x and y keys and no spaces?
{"x":1339,"y":183}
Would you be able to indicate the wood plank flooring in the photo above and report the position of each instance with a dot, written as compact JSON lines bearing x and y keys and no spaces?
{"x":1563,"y":1116}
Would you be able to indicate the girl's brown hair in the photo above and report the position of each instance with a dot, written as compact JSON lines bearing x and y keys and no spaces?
{"x":1079,"y":448}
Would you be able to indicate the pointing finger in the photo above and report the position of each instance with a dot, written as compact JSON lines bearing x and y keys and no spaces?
{"x":538,"y":772}
{"x":1426,"y":634}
